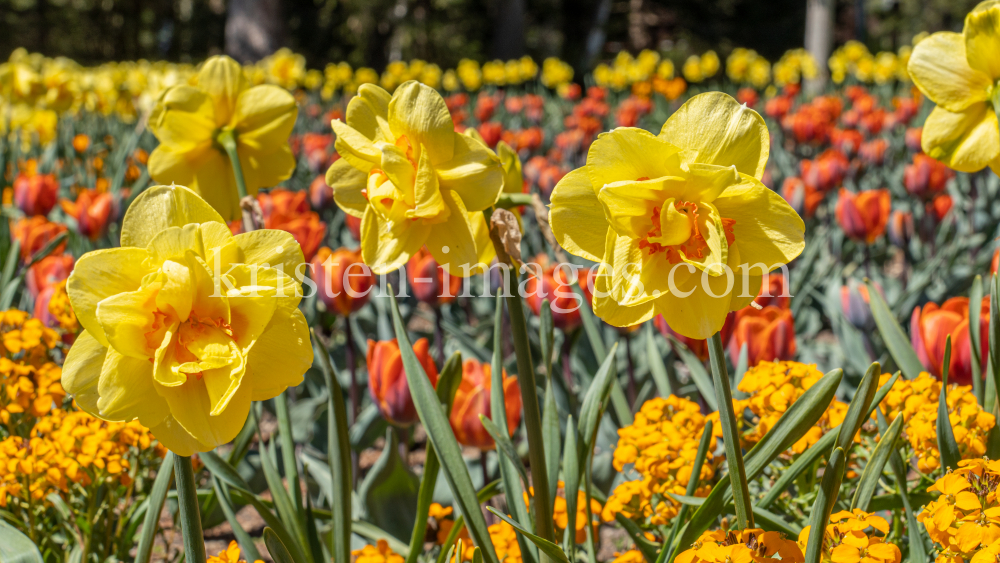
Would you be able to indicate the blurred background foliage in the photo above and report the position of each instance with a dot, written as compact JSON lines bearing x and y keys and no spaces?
{"x":375,"y":32}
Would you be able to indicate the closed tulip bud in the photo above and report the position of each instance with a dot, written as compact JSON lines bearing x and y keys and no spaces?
{"x":939,"y":207}
{"x":774,"y":291}
{"x":34,"y":233}
{"x":289,"y":211}
{"x":747,"y":96}
{"x":551,"y":282}
{"x":863,"y":216}
{"x":768,"y":333}
{"x":900,"y":228}
{"x":320,"y":194}
{"x":343,"y":281}
{"x":93,"y":212}
{"x":430,"y":282}
{"x":47,"y":272}
{"x":387,"y":379}
{"x":473,"y":399}
{"x":873,"y":152}
{"x":926,"y":176}
{"x":931,"y":325}
{"x":35,"y":194}
{"x":912,"y":138}
{"x":854,"y":302}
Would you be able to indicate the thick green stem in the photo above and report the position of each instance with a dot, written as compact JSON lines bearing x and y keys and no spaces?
{"x":730,"y":433}
{"x":190,"y":512}
{"x":227,"y":139}
{"x":508,"y":201}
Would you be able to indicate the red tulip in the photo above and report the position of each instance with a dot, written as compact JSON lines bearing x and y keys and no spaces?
{"x":320,"y":194}
{"x":855,"y":304}
{"x":387,"y":379}
{"x":473,"y":399}
{"x":430,"y":283}
{"x":774,"y":291}
{"x":900,"y":228}
{"x":34,"y":233}
{"x":926,"y":176}
{"x":35,"y":194}
{"x":289,"y":211}
{"x":49,"y":271}
{"x":864,"y":216}
{"x":332,"y":270}
{"x":93,"y":212}
{"x":768,"y":333}
{"x":930,"y":327}
{"x":552,"y":283}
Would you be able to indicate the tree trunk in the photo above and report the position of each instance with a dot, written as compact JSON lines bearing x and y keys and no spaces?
{"x":819,"y":39}
{"x":254,"y":29}
{"x":508,"y":35}
{"x":595,"y":37}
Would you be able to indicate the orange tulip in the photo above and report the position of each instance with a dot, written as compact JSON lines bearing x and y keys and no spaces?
{"x":320,"y":194}
{"x":343,"y":281}
{"x":926,"y":177}
{"x":47,"y":272}
{"x":552,"y":284}
{"x":34,"y":233}
{"x":473,"y":399}
{"x":92,"y":210}
{"x":900,"y":228}
{"x":35,"y":194}
{"x":803,"y":198}
{"x":769,"y":334}
{"x":430,"y":283}
{"x":387,"y":379}
{"x":856,"y":305}
{"x":290,"y":212}
{"x":930,"y":327}
{"x":774,"y":291}
{"x":864,"y":216}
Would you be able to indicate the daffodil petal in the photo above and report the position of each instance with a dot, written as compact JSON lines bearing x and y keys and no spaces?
{"x":982,"y":39}
{"x":281,"y":355}
{"x":81,"y":371}
{"x":272,"y":248}
{"x":215,"y":183}
{"x":419,"y":112}
{"x":127,"y":391}
{"x":939,"y":67}
{"x":577,"y":216}
{"x":126,"y":318}
{"x":160,"y":207}
{"x":190,"y":405}
{"x":628,"y":205}
{"x":722,"y":131}
{"x":348,"y":185}
{"x":966,"y":141}
{"x":185,"y":119}
{"x":691,"y":310}
{"x":101,"y":274}
{"x":386,"y":246}
{"x":767,"y":229}
{"x":264,"y":118}
{"x":630,"y":154}
{"x":223,"y":80}
{"x":474,"y":173}
{"x":368,"y":113}
{"x":172,"y":435}
{"x":358,"y":150}
{"x":485,"y":252}
{"x":614,"y":313}
{"x":451,"y":243}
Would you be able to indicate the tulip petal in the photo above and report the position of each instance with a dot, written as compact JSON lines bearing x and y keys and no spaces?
{"x":264,"y":118}
{"x":171,"y":434}
{"x":451,"y":243}
{"x":160,"y":207}
{"x":474,"y":173}
{"x":982,"y":39}
{"x":358,"y":150}
{"x":767,"y":229}
{"x":101,"y":274}
{"x":630,"y":154}
{"x":385,"y":245}
{"x":577,"y":216}
{"x":348,"y":185}
{"x":280,"y":357}
{"x":190,"y":405}
{"x":271,"y":248}
{"x":223,"y":79}
{"x":81,"y":371}
{"x":419,"y":112}
{"x":127,"y":391}
{"x":722,"y":131}
{"x":127,"y":318}
{"x":966,"y":141}
{"x":939,"y":67}
{"x":368,"y":113}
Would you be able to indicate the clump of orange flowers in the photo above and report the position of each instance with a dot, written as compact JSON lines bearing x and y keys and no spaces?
{"x":848,"y":539}
{"x":229,"y":555}
{"x":378,"y":553}
{"x":962,"y":522}
{"x":752,"y":544}
{"x":773,"y":387}
{"x":918,"y":400}
{"x":661,"y":444}
{"x":560,"y":515}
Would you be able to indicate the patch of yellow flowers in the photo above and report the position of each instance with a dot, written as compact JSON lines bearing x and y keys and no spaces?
{"x":661,"y":445}
{"x":850,"y":538}
{"x":854,"y":60}
{"x":963,"y":521}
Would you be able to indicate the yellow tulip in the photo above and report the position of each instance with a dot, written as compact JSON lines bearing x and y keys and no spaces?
{"x":188,"y":121}
{"x":959,"y":73}
{"x":410,"y":178}
{"x":682,"y":205}
{"x":186,"y":324}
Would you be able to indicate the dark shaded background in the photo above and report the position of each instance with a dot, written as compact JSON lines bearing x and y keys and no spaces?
{"x":374,"y":32}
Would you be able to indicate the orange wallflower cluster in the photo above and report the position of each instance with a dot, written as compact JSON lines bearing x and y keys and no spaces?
{"x":229,"y":555}
{"x":773,"y":387}
{"x":848,"y":540}
{"x":378,"y":553}
{"x":561,"y":517}
{"x":918,"y":400}
{"x":963,"y":521}
{"x":722,"y":546}
{"x":24,"y":338}
{"x":502,"y":534}
{"x":661,"y":444}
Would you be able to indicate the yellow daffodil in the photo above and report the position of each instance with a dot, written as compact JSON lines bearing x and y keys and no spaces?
{"x":410,"y":178}
{"x":186,"y":324}
{"x":959,"y":72}
{"x":188,"y":121}
{"x":678,"y":220}
{"x":513,"y":183}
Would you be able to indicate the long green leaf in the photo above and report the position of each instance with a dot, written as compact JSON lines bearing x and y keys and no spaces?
{"x":338,"y":456}
{"x":873,"y":470}
{"x":950,"y":456}
{"x":441,"y":437}
{"x":591,"y":327}
{"x":656,"y":367}
{"x":551,"y":440}
{"x":291,"y":466}
{"x":158,"y":494}
{"x":223,"y":470}
{"x":817,"y":450}
{"x":893,"y":336}
{"x":544,"y":545}
{"x":276,"y":548}
{"x":571,"y":471}
{"x":771,"y":522}
{"x":826,"y":497}
{"x":975,"y":312}
{"x":15,"y":547}
{"x":505,"y":447}
{"x":226,"y":503}
{"x":701,"y":377}
{"x":282,"y":502}
{"x":373,"y":533}
{"x":730,"y":432}
{"x":857,"y":411}
{"x":692,"y":486}
{"x":915,"y":530}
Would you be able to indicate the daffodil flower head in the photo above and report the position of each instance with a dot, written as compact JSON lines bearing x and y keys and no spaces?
{"x":671,"y":218}
{"x":189,"y":119}
{"x":411,"y":179}
{"x":960,"y":73}
{"x":186,"y":324}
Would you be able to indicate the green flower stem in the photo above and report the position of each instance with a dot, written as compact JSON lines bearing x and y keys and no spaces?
{"x":730,"y":434}
{"x":227,"y":139}
{"x":508,"y":201}
{"x":995,"y":100}
{"x":190,"y":517}
{"x":529,"y":397}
